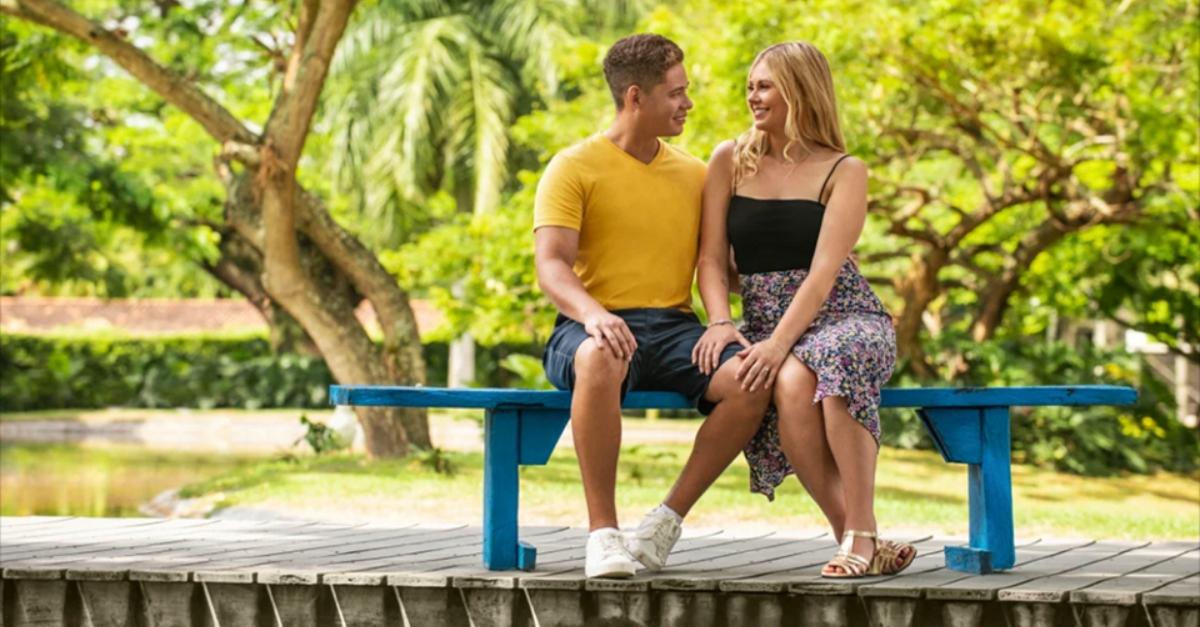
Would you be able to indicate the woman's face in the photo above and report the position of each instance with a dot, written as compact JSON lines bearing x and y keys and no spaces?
{"x":766,"y":103}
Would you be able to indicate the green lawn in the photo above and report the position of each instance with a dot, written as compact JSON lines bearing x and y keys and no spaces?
{"x":917,"y":493}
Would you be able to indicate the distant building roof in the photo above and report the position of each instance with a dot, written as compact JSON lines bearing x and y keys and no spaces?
{"x":151,"y":316}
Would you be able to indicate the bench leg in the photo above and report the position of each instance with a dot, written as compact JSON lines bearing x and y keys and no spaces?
{"x":501,"y":490}
{"x":991,"y":544}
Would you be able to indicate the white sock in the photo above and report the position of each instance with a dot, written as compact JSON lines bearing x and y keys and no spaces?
{"x":663,"y":508}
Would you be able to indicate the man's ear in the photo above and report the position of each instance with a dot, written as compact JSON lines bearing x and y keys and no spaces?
{"x":633,"y":97}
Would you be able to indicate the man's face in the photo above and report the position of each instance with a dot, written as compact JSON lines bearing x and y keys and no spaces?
{"x":663,"y":110}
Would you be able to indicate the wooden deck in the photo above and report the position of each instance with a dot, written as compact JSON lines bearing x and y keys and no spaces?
{"x":99,"y":572}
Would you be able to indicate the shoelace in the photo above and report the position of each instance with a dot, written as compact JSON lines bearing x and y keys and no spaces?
{"x":662,"y":530}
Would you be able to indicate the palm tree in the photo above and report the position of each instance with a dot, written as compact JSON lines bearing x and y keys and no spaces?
{"x":431,"y":89}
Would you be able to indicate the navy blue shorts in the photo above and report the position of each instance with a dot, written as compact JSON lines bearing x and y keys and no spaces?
{"x":662,"y":361}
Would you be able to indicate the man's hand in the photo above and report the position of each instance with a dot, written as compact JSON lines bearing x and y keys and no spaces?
{"x":610,"y":333}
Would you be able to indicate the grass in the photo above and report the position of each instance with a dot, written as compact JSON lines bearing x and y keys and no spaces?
{"x":916,"y":492}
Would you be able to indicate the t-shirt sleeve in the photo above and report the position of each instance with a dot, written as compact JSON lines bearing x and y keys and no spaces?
{"x":559,"y":199}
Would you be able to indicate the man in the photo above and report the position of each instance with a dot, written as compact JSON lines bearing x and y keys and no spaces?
{"x":616,"y":221}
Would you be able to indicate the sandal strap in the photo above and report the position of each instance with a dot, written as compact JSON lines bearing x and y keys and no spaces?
{"x":860,"y":534}
{"x":851,"y":563}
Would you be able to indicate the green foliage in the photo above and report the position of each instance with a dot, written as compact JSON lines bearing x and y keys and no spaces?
{"x":1142,"y":438}
{"x":436,"y":459}
{"x":201,"y":371}
{"x":320,"y":438}
{"x":187,"y":371}
{"x":85,"y":211}
{"x":531,"y":374}
{"x":424,"y":95}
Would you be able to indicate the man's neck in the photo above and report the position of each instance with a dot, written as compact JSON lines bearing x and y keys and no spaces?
{"x":626,"y":136}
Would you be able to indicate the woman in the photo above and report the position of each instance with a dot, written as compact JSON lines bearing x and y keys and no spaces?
{"x":792,"y":204}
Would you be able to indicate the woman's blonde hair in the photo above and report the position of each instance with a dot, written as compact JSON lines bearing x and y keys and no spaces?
{"x":801,"y":74}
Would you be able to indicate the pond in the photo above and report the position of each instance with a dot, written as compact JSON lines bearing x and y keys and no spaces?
{"x":98,"y":480}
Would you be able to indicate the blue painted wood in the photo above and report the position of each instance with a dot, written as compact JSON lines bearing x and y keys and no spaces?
{"x":500,"y":489}
{"x":484,"y":398}
{"x":540,"y":432}
{"x":956,"y":432}
{"x":968,"y":425}
{"x":968,"y":560}
{"x":526,"y":556}
{"x":990,"y":492}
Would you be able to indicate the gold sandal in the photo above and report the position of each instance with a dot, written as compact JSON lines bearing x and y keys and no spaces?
{"x":893,"y":549}
{"x":852,"y":564}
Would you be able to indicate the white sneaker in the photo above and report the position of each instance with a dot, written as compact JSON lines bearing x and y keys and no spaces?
{"x":654,"y":538}
{"x":607,"y":556}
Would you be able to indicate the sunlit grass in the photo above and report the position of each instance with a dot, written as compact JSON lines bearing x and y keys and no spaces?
{"x":916,"y":493}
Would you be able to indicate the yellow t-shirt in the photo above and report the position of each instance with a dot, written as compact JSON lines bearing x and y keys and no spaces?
{"x":638,"y":223}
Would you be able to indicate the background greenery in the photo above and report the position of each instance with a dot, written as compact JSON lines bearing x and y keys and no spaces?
{"x":1034,"y":168}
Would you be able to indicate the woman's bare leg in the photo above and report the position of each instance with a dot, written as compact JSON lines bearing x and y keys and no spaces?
{"x":802,"y":436}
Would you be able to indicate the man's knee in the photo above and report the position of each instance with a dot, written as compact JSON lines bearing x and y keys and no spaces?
{"x":596,"y":365}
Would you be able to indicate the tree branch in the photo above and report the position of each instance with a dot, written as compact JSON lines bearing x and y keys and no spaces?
{"x":178,"y":91}
{"x":317,"y":35}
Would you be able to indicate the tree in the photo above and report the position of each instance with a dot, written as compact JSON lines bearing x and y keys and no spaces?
{"x":996,"y":134}
{"x":1007,"y":129}
{"x":429,"y":93}
{"x":279,"y":243}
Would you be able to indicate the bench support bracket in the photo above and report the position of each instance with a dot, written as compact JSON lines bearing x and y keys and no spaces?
{"x":979,"y":437}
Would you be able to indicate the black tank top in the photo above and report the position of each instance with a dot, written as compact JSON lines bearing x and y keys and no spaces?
{"x":770,"y":234}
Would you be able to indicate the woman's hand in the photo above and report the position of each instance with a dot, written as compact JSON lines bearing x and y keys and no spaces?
{"x":760,"y":364}
{"x":707,"y":352}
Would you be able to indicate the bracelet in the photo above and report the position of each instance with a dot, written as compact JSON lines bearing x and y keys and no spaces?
{"x":719,"y":322}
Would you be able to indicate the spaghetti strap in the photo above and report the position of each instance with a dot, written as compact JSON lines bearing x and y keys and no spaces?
{"x":821,"y":194}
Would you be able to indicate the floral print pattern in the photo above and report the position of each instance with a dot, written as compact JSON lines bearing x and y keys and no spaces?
{"x":850,"y":346}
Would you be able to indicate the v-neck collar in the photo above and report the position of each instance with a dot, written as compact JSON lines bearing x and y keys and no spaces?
{"x":658,"y":156}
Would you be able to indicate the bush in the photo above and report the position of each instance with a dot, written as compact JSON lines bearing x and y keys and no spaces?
{"x":200,"y":370}
{"x":1142,"y":438}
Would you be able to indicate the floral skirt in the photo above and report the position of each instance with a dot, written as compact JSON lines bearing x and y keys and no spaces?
{"x":850,"y":346}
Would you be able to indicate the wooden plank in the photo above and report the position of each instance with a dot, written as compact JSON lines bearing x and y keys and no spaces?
{"x":215,"y":559}
{"x":985,"y":587}
{"x":71,"y":527}
{"x":916,"y":585}
{"x":74,"y":546}
{"x":484,"y":398}
{"x":929,"y":560}
{"x":776,"y":577}
{"x":427,"y":557}
{"x":1128,"y":588}
{"x":171,"y":535}
{"x":562,"y":568}
{"x":439,"y":569}
{"x":704,"y":570}
{"x":1180,"y":592}
{"x":1056,"y":588}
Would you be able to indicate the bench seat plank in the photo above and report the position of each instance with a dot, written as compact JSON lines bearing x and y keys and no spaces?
{"x":490,"y":398}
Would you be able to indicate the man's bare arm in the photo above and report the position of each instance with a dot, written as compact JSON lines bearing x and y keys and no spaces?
{"x":555,"y":250}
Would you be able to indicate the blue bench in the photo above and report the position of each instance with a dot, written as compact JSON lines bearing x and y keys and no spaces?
{"x":968,"y":426}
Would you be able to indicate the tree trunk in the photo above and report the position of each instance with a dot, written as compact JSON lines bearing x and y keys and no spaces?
{"x":310,"y":267}
{"x":918,"y":288}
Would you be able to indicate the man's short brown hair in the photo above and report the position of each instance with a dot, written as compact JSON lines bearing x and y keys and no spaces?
{"x":640,"y":60}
